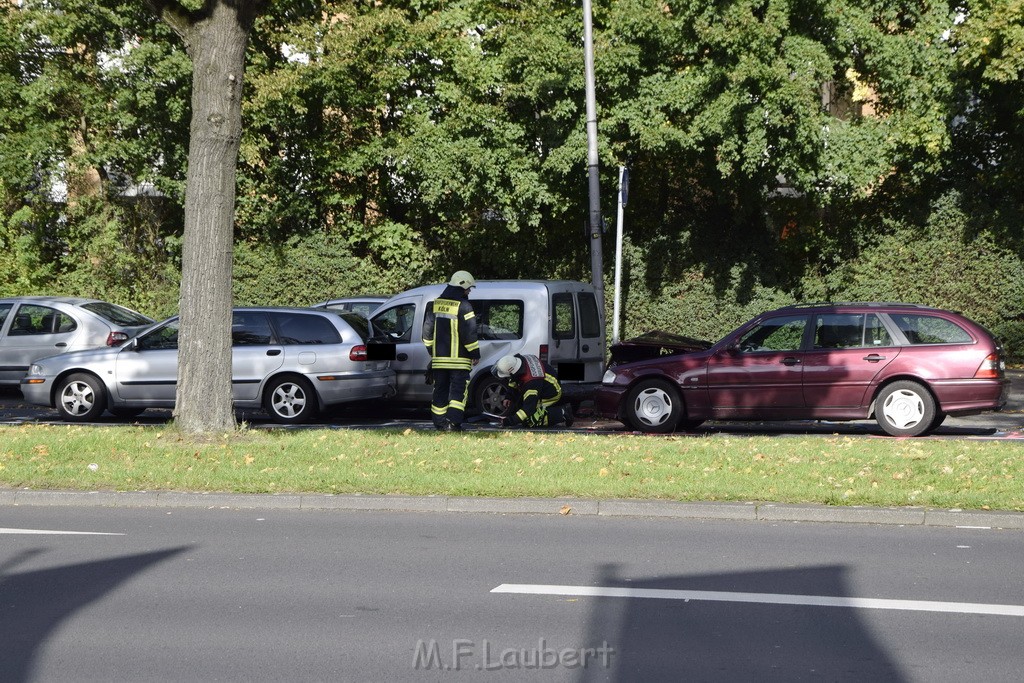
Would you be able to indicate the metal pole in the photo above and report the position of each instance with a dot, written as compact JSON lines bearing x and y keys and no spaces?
{"x":594,"y":227}
{"x":618,"y":255}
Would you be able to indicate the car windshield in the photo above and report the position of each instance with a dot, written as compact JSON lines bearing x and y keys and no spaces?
{"x":117,"y":315}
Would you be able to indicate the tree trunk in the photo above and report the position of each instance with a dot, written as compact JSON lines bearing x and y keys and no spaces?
{"x":216,"y":42}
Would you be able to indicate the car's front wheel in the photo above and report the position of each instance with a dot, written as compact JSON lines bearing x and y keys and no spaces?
{"x":654,"y":406}
{"x":489,"y":395}
{"x":81,"y":398}
{"x":290,"y":400}
{"x":905,"y":409}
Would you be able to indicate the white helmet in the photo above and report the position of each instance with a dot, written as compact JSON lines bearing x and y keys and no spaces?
{"x":462,"y":279}
{"x":507,"y":366}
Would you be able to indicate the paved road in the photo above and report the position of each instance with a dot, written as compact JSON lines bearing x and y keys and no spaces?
{"x":270,"y":595}
{"x":1007,"y":424}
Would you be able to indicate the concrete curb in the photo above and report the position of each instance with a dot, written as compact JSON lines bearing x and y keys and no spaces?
{"x":749,"y":511}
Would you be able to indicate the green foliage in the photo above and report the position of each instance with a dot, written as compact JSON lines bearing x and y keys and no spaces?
{"x":780,"y":150}
{"x":305,"y":270}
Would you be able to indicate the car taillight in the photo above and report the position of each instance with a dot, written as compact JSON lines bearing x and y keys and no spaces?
{"x":357,"y":353}
{"x":116,"y":338}
{"x":990,"y":367}
{"x":544,"y":352}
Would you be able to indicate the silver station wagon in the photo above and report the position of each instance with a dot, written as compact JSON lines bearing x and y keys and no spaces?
{"x":34,"y":327}
{"x":291,"y":362}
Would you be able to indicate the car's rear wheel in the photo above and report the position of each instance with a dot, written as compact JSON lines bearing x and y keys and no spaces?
{"x":654,"y":406}
{"x":905,"y":409}
{"x":290,"y":400}
{"x":80,"y":398}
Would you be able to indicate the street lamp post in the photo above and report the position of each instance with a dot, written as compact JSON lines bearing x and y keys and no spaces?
{"x":595,"y":224}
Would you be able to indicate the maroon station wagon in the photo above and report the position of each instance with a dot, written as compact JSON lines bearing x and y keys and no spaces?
{"x":907,"y":366}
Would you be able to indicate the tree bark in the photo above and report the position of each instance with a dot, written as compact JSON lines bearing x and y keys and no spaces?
{"x":216,"y":41}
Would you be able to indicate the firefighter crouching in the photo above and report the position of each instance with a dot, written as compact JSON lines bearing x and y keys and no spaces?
{"x":538,"y":391}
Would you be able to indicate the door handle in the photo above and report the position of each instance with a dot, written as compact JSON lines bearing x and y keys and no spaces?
{"x":61,"y":345}
{"x":402,"y":356}
{"x":586,"y":347}
{"x":790,"y":361}
{"x":274,"y":352}
{"x":873,"y":358}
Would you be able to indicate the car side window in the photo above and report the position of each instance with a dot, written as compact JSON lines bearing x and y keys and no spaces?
{"x":783,"y":333}
{"x":875,"y":332}
{"x":5,"y":310}
{"x":498,"y":319}
{"x":929,"y":329}
{"x":396,"y":322}
{"x":250,"y":328}
{"x":163,"y":338}
{"x":304,"y":328}
{"x":32,"y":319}
{"x":839,"y":331}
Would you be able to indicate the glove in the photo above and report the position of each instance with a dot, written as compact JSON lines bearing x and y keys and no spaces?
{"x":511,"y":421}
{"x":428,"y":376}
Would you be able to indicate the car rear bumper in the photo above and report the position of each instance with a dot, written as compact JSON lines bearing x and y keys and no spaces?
{"x":962,"y":397}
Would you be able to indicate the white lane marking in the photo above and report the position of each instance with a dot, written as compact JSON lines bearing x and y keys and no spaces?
{"x":765,"y":598}
{"x":51,"y":532}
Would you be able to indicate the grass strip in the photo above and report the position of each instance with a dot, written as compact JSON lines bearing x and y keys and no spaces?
{"x":837,"y":470}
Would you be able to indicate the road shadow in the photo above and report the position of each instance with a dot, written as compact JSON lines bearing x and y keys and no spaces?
{"x":689,"y":640}
{"x":34,"y":604}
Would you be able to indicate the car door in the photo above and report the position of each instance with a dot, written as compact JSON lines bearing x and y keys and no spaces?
{"x":402,"y":323}
{"x":146,"y":369}
{"x":760,"y":375}
{"x":849,"y":351}
{"x":33,"y":332}
{"x":255,"y":353}
{"x":8,"y":372}
{"x":577,"y":337}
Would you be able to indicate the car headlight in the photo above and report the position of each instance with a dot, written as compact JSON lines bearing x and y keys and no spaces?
{"x":35,"y":369}
{"x":609,"y":377}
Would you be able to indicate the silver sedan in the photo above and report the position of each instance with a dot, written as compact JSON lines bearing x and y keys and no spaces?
{"x":291,"y":362}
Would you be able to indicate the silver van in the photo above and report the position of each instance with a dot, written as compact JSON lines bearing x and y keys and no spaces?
{"x":557,"y":320}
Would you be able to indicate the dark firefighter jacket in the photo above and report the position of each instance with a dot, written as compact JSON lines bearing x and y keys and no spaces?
{"x":449,"y":331}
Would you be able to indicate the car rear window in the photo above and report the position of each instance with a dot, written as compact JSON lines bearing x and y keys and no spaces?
{"x":112,"y":313}
{"x":303,"y":328}
{"x":357,"y":322}
{"x":930,"y":329}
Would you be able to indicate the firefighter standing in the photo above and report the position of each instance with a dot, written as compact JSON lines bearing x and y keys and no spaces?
{"x":538,"y":390}
{"x":449,"y":332}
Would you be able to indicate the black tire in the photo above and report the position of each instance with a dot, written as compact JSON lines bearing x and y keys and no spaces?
{"x":654,"y":406}
{"x":125,"y":412}
{"x":489,"y":393}
{"x":905,"y":408}
{"x":290,"y":400}
{"x":937,"y":421}
{"x":80,"y":398}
